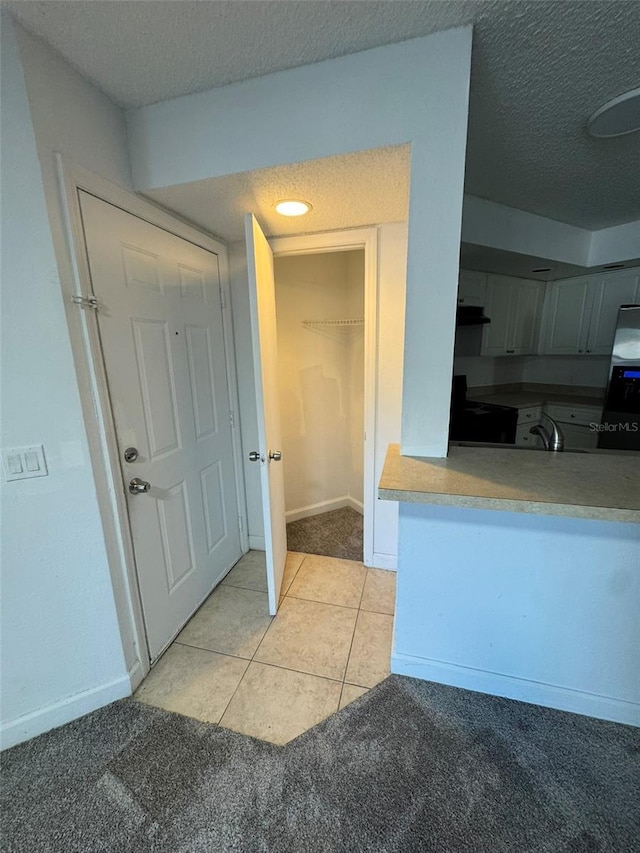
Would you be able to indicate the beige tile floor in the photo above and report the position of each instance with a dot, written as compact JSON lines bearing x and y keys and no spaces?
{"x":275,"y":677}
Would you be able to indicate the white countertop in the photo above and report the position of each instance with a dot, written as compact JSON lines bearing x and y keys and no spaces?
{"x":579,"y":485}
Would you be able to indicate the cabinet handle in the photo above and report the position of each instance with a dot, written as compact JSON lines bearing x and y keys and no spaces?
{"x":510,"y":351}
{"x":580,"y":350}
{"x":588,"y":350}
{"x":573,"y":416}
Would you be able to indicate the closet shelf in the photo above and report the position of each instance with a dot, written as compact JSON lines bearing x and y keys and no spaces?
{"x":356,"y":321}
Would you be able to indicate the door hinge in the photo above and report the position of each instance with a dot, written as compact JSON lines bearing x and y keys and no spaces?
{"x":86,"y":302}
{"x":240,"y":524}
{"x":223,"y":298}
{"x":232,"y":420}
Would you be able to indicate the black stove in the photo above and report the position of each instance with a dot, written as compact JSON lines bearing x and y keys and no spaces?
{"x":483,"y":422}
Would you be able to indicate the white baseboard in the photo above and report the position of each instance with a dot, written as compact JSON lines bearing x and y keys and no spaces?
{"x":44,"y":719}
{"x":316,"y":509}
{"x":511,"y":687}
{"x":384,"y":561}
{"x":355,"y":504}
{"x":136,"y":675}
{"x":257,"y":543}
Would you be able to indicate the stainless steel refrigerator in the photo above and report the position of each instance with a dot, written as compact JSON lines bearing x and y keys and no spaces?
{"x":620,"y":426}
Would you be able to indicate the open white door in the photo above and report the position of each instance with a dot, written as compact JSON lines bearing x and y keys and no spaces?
{"x":265,"y":365}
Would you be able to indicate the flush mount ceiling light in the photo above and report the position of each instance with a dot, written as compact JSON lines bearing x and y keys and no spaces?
{"x":291,"y":207}
{"x":617,"y":117}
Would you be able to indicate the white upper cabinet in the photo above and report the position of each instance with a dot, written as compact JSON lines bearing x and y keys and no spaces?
{"x":567,"y":316}
{"x":472,"y":288}
{"x":581,"y":313}
{"x":514,"y":307}
{"x":609,"y":294}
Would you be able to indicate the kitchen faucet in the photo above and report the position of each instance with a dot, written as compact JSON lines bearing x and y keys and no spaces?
{"x":553,"y":440}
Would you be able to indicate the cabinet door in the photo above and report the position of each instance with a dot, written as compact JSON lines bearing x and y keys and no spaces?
{"x":526,"y":309}
{"x":472,"y":288}
{"x":609,"y":294}
{"x":524,"y":438}
{"x":580,"y":437}
{"x":568,"y":310}
{"x":497,"y":333}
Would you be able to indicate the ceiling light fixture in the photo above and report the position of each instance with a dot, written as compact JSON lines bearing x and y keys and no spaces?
{"x":617,"y":117}
{"x":291,"y":207}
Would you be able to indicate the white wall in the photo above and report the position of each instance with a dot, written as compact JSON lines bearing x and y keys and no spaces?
{"x":355,"y":308}
{"x":416,"y":92}
{"x":487,"y":223}
{"x":392,"y":270}
{"x":618,"y":243}
{"x":317,"y":388}
{"x":485,"y":370}
{"x":591,"y":371}
{"x":61,"y":649}
{"x":588,"y":371}
{"x":541,"y":609}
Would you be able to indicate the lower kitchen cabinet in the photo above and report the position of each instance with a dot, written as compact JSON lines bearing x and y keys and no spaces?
{"x":528,"y":417}
{"x":524,"y":438}
{"x":575,"y":423}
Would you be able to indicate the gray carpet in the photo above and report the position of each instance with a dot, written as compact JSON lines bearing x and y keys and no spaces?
{"x":411,"y":766}
{"x":333,"y":534}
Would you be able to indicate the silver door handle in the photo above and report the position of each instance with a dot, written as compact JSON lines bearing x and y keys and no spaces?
{"x":138,"y":486}
{"x":254,"y":456}
{"x":275,"y":455}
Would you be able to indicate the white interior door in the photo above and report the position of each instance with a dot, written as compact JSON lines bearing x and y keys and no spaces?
{"x":160,"y":323}
{"x":265,"y":361}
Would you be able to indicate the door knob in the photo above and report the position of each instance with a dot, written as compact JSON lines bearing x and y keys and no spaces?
{"x":275,"y":455}
{"x":254,"y":456}
{"x":138,"y":486}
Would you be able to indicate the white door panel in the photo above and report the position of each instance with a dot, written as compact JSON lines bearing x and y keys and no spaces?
{"x":160,"y":323}
{"x":265,"y":360}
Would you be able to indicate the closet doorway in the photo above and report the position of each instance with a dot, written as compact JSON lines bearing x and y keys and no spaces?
{"x":325,"y":296}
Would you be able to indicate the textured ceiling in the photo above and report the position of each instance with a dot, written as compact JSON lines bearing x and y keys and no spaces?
{"x":349,"y":191}
{"x":540,"y":68}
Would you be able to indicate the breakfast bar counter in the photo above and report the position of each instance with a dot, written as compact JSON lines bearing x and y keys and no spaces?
{"x":580,"y":485}
{"x":519,"y":575}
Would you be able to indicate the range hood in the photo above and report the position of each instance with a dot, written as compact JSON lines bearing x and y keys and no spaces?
{"x":471,"y":315}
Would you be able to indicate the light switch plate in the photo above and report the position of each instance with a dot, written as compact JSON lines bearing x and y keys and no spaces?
{"x":21,"y":463}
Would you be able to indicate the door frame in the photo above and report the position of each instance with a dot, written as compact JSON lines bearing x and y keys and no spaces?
{"x":345,"y":241}
{"x":94,"y":395}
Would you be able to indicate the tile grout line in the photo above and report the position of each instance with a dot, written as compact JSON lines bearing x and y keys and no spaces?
{"x":318,"y":601}
{"x":249,"y":662}
{"x":263,"y":663}
{"x":295,"y":575}
{"x":353,"y":636}
{"x":226,"y":707}
{"x":273,"y":618}
{"x":237,"y":586}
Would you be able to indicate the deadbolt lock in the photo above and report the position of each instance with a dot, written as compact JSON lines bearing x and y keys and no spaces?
{"x":131,"y":454}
